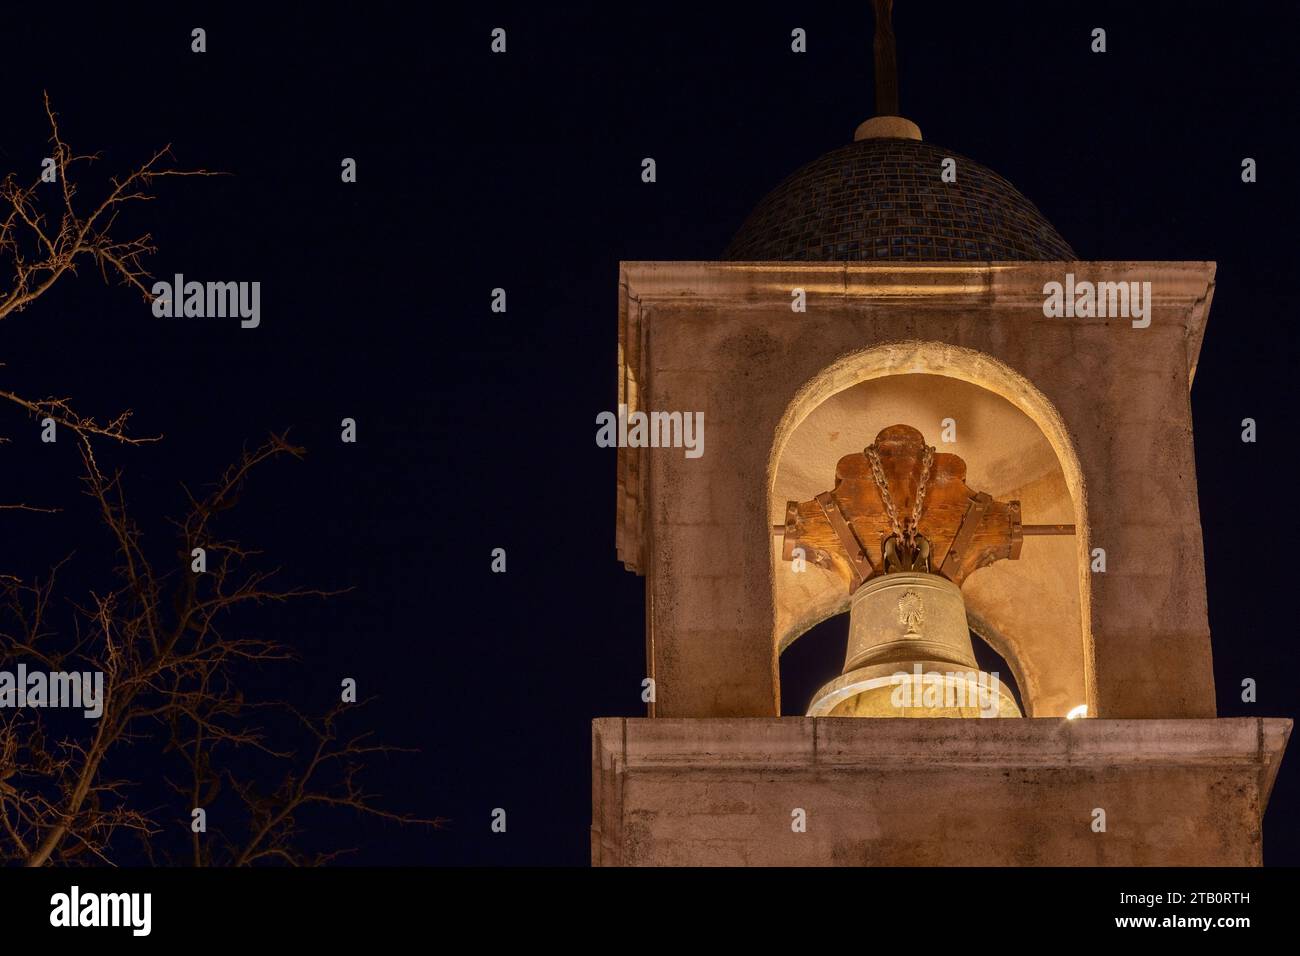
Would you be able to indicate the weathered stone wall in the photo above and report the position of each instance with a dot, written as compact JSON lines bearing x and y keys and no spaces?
{"x":721,"y":338}
{"x":899,"y":792}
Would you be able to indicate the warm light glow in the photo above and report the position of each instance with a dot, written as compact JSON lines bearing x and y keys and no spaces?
{"x":1080,"y":711}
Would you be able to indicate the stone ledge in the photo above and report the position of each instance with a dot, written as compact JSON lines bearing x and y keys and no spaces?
{"x":680,"y":791}
{"x":805,"y":741}
{"x":1173,"y":284}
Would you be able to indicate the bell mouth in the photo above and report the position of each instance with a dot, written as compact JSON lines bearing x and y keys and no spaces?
{"x":915,"y":689}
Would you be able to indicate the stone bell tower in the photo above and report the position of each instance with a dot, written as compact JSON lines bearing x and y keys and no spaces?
{"x":901,"y":424}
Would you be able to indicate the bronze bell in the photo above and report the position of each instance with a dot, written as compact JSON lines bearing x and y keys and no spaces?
{"x":910,"y":655}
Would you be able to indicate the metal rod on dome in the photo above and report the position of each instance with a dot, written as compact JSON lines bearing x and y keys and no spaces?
{"x":886,"y":60}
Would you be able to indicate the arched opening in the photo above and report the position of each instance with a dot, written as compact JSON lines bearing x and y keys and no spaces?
{"x":1032,"y":612}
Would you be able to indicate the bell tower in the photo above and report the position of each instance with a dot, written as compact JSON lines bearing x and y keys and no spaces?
{"x":906,"y":424}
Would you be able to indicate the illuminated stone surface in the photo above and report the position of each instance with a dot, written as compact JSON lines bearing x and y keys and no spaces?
{"x":1102,"y":407}
{"x":931,"y":792}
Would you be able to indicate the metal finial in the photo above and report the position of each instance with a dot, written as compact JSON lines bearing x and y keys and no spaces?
{"x":886,"y":60}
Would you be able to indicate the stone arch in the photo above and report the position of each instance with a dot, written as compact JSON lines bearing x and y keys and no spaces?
{"x":1051,"y":687}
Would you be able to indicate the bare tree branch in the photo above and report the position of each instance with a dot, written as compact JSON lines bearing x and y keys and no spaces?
{"x":169,"y":642}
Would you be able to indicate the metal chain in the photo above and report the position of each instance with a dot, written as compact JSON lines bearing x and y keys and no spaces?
{"x":927,"y":462}
{"x":878,"y":473}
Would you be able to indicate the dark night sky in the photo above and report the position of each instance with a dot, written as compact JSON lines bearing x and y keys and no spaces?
{"x":477,"y":430}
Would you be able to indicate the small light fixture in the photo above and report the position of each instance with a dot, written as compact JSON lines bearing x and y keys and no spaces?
{"x":1080,"y":711}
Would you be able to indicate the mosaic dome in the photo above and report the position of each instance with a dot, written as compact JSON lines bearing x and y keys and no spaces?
{"x":883,"y":198}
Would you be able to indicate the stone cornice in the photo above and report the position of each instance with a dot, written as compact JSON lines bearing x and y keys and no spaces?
{"x":759,"y":743}
{"x":1019,"y":283}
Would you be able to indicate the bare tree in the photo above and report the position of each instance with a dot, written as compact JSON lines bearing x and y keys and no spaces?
{"x":166,"y":638}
